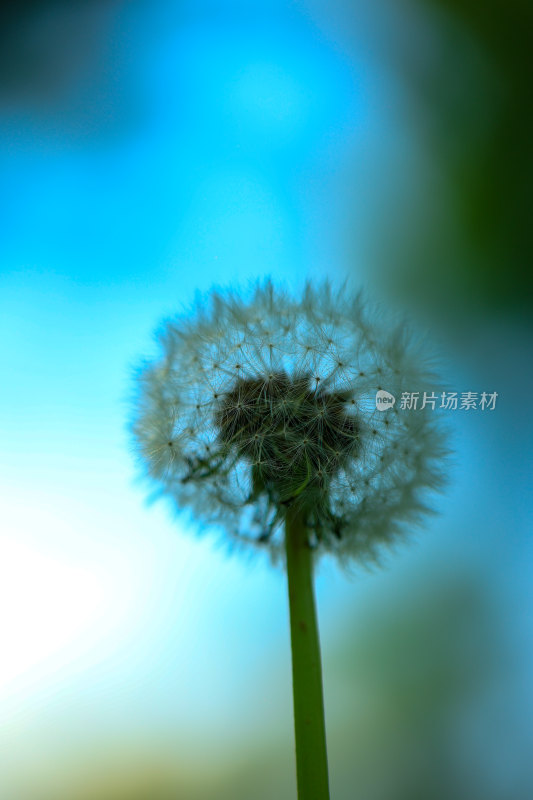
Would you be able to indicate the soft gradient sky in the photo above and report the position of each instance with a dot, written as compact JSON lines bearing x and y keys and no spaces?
{"x":188,"y":144}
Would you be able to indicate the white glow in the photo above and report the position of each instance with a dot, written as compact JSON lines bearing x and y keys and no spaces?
{"x":46,"y":604}
{"x":69,"y":594}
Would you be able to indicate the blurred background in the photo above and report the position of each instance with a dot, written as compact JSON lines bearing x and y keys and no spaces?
{"x":149,"y":150}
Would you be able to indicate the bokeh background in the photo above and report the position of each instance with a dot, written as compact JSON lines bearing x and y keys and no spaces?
{"x":149,"y":150}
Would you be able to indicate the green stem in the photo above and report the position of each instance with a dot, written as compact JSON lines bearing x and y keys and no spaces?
{"x":309,"y":727}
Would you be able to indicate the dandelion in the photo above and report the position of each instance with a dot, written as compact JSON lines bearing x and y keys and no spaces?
{"x":260,"y":418}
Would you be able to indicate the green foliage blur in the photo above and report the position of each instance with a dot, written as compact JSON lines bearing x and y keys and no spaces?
{"x":466,"y":236}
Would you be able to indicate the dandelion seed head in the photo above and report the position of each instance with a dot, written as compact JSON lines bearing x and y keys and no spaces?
{"x":259,"y":403}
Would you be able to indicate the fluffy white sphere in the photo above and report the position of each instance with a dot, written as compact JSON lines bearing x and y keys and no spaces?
{"x":260,"y":403}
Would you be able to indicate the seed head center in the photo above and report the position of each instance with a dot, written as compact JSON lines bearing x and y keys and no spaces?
{"x":284,"y":413}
